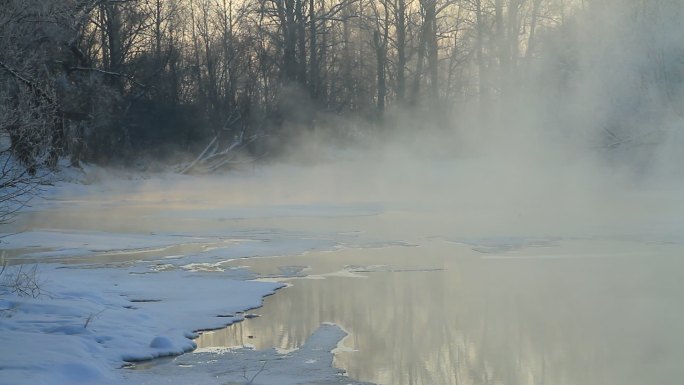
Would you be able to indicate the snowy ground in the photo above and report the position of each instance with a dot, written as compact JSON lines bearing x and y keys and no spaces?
{"x":113,"y":296}
{"x":87,"y":322}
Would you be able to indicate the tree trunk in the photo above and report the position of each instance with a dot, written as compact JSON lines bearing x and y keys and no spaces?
{"x":347,"y":65}
{"x":533,"y":28}
{"x":513,"y":30}
{"x":432,"y":49}
{"x":381,"y":58}
{"x":401,"y":50}
{"x":289,"y":42}
{"x":157,"y":33}
{"x":313,"y":57}
{"x":479,"y":51}
{"x":501,"y":41}
{"x":114,"y":43}
{"x":301,"y":42}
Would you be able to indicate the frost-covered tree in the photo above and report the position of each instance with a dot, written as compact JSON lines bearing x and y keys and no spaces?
{"x":30,"y":123}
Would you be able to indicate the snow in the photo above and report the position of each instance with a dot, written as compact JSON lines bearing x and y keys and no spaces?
{"x":93,"y":315}
{"x":88,"y":322}
{"x":74,"y":243}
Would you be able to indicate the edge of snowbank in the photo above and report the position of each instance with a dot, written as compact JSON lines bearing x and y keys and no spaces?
{"x":88,"y":322}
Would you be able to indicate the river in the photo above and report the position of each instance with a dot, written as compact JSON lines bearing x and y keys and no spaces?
{"x":425,"y":298}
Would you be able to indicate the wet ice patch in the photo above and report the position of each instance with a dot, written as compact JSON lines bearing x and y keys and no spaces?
{"x":72,"y":243}
{"x":312,"y":363}
{"x":211,"y":267}
{"x":282,"y":211}
{"x":354,"y":269}
{"x":490,"y":245}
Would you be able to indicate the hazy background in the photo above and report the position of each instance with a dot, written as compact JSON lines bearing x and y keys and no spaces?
{"x":523,"y":115}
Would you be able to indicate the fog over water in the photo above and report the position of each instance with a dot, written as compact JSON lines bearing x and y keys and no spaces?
{"x":453,"y":271}
{"x":583,"y":137}
{"x":535,"y":240}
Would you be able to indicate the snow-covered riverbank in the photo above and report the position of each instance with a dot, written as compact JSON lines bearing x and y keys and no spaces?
{"x":86,"y":322}
{"x":106,"y":290}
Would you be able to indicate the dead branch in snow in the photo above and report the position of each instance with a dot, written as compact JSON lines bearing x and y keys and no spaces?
{"x":22,"y":281}
{"x":215,"y":157}
{"x":251,"y":380}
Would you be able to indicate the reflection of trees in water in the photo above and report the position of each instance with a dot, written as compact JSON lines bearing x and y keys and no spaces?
{"x":477,"y":322}
{"x":476,"y":327}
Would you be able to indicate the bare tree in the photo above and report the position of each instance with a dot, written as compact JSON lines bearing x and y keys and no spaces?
{"x":380,"y":43}
{"x":106,"y":80}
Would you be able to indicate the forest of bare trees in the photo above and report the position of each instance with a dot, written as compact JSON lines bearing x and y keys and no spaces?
{"x":104,"y":80}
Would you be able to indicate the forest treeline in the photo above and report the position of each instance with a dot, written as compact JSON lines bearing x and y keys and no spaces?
{"x":98,"y":80}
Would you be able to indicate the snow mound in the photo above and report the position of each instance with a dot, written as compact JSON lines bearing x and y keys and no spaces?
{"x":161,"y":342}
{"x":88,"y":322}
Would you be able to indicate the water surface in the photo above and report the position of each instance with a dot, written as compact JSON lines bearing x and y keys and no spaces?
{"x":571,"y":312}
{"x":427,"y":295}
